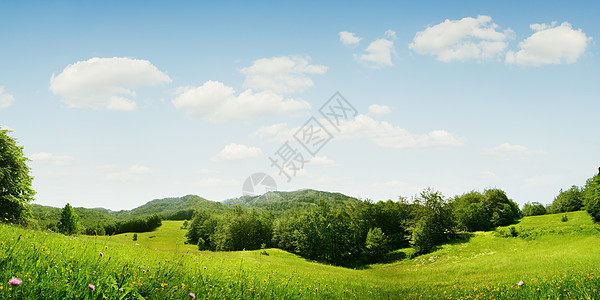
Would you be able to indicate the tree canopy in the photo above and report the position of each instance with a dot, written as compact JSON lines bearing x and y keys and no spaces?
{"x":15,"y":181}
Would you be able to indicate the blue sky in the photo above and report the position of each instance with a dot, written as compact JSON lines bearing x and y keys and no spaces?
{"x":120,"y":103}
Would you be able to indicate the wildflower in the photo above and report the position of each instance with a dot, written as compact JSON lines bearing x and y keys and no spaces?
{"x":521,"y":283}
{"x":192,"y":295}
{"x":101,"y":254}
{"x":92,"y":287}
{"x":15,"y":281}
{"x":204,"y":268}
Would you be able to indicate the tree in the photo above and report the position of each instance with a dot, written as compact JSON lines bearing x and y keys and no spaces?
{"x":503,"y":211}
{"x":533,"y":209}
{"x":15,"y":181}
{"x":433,"y":221}
{"x":569,"y":200}
{"x":470,"y":212}
{"x":591,"y":197}
{"x":376,"y":245}
{"x":69,"y":221}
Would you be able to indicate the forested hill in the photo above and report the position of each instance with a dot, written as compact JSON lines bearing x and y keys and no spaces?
{"x":278,"y":201}
{"x":178,"y":208}
{"x":182,"y":208}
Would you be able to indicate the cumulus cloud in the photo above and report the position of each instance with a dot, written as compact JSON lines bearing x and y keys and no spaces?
{"x":218,"y":103}
{"x":381,"y":133}
{"x":467,"y":38}
{"x":46,"y":157}
{"x":349,"y":38}
{"x":376,"y":110}
{"x":283,"y":74}
{"x":550,"y":44}
{"x":105,"y":83}
{"x":234,"y":152}
{"x":132,"y":173}
{"x":390,"y":33}
{"x":506,"y":149}
{"x":6,"y":99}
{"x":378,"y":54}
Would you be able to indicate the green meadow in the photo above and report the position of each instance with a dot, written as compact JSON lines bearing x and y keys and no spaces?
{"x":552,"y":259}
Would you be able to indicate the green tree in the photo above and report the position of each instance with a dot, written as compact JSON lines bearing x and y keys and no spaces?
{"x":69,"y":221}
{"x":15,"y":181}
{"x":470,"y":212}
{"x":503,"y":211}
{"x":533,"y":209}
{"x":432,"y":221}
{"x":376,"y":245}
{"x":569,"y":200}
{"x":591,"y":196}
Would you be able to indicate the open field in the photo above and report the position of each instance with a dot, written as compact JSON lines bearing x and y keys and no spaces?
{"x":554,"y":259}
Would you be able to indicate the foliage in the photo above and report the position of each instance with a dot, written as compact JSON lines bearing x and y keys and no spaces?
{"x":432,"y":221}
{"x":241,"y":230}
{"x":69,"y":221}
{"x":533,"y":209}
{"x":470,"y":212}
{"x":591,"y":196}
{"x":376,"y":245}
{"x":503,"y":211}
{"x":566,"y":201}
{"x":15,"y":181}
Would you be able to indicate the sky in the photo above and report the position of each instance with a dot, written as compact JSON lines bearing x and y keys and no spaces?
{"x":117,"y":103}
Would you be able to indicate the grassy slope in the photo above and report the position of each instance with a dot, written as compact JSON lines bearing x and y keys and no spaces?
{"x":557,"y":260}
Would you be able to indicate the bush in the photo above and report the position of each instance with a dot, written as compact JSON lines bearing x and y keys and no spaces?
{"x":376,"y":245}
{"x":135,"y":237}
{"x":564,"y":218}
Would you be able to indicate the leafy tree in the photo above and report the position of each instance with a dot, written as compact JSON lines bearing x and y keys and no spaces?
{"x":432,"y":221}
{"x":15,"y":181}
{"x":376,"y":245}
{"x":533,"y":209}
{"x":470,"y":212}
{"x":69,"y":221}
{"x":569,"y":200}
{"x":503,"y":211}
{"x":591,"y":196}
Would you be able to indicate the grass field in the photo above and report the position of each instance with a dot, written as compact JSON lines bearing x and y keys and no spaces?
{"x":553,"y":259}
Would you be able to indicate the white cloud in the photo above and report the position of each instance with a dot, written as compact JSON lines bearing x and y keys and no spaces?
{"x":218,"y":103}
{"x":200,"y":101}
{"x":233,"y":152}
{"x":321,"y":161}
{"x":46,"y":157}
{"x":105,"y":83}
{"x":550,"y":44}
{"x":276,"y":132}
{"x":133,"y":173}
{"x":6,"y":99}
{"x":283,"y":74}
{"x":379,"y":54}
{"x":349,"y":38}
{"x":249,"y":105}
{"x":387,"y":135}
{"x":204,"y":171}
{"x":467,"y":38}
{"x":376,"y":110}
{"x":391,"y":34}
{"x":506,"y":149}
{"x":381,"y":133}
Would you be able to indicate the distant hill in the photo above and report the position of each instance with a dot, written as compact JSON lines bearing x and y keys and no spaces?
{"x":179,"y":208}
{"x":278,"y":201}
{"x":182,"y":208}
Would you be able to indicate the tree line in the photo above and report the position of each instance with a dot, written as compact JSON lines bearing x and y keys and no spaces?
{"x":355,"y":233}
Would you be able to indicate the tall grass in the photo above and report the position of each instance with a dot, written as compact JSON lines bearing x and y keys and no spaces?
{"x":561,"y":261}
